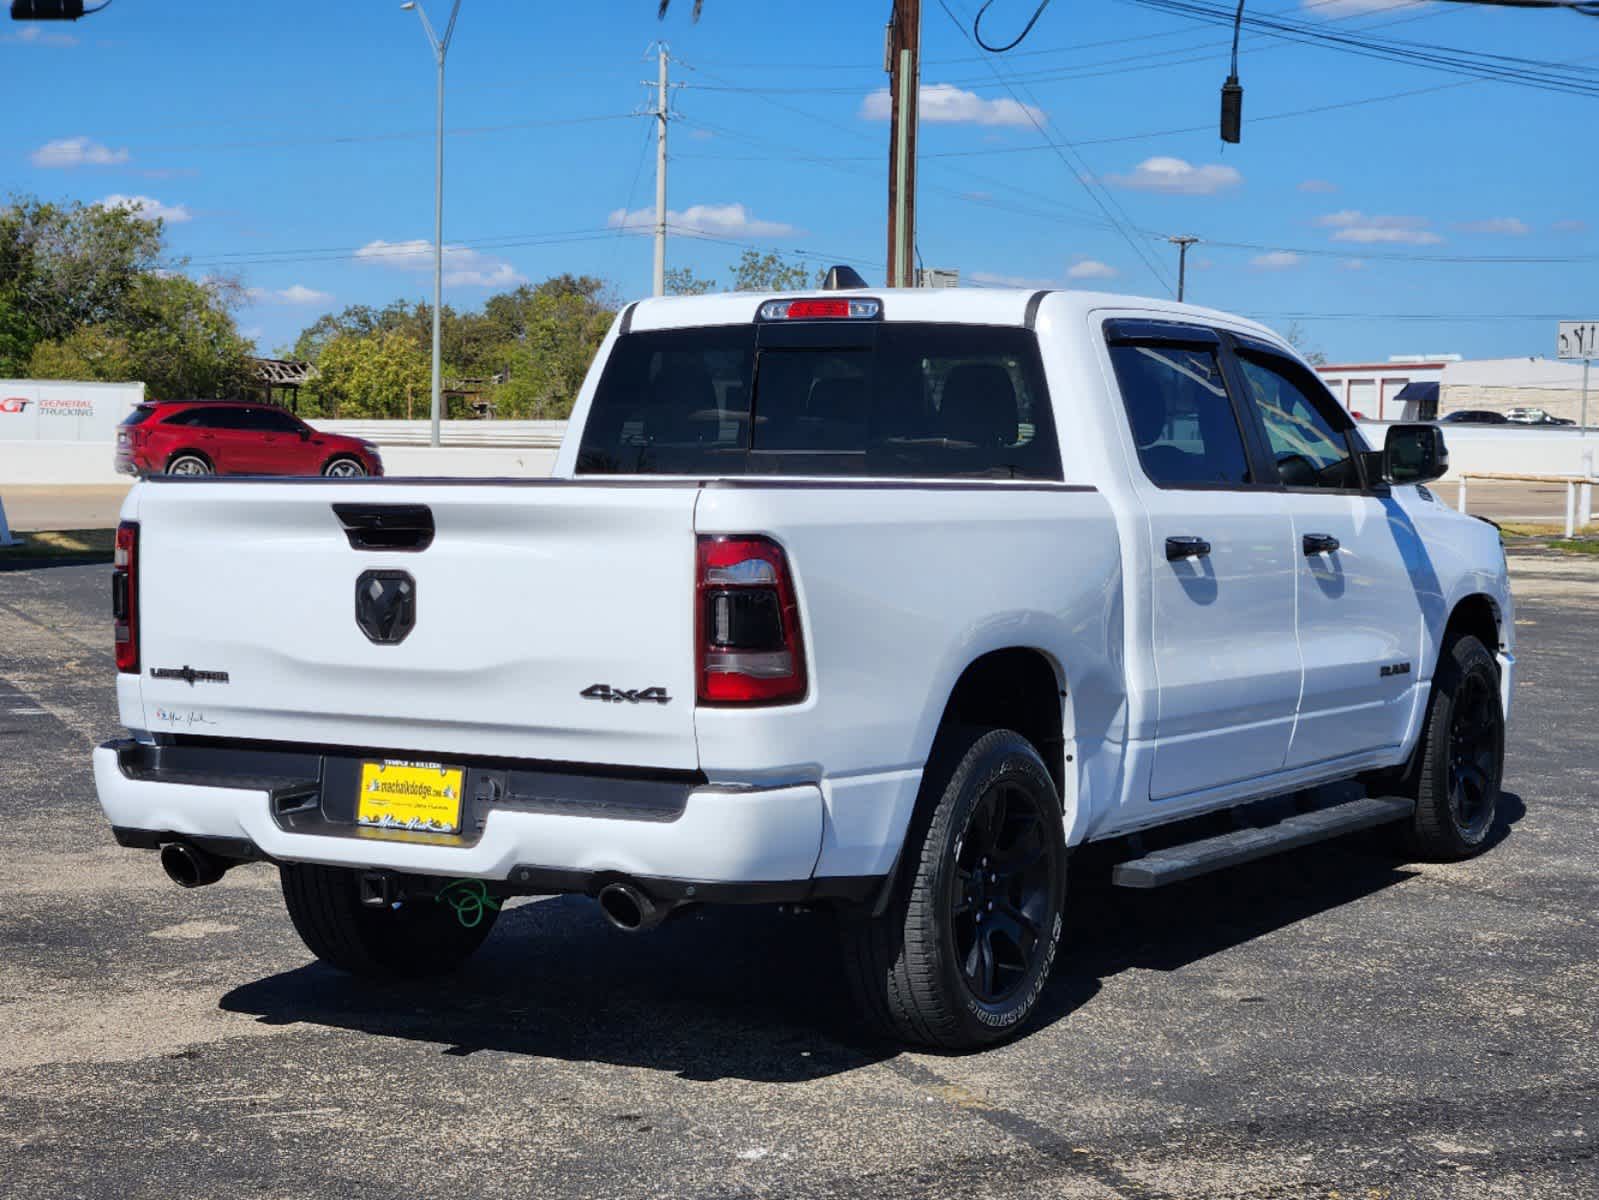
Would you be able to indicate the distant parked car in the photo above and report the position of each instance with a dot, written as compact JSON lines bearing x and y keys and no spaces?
{"x":218,"y":437}
{"x":1473,"y":416}
{"x":1533,"y":416}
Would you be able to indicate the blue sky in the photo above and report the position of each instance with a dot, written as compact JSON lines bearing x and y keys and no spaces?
{"x":290,"y":143}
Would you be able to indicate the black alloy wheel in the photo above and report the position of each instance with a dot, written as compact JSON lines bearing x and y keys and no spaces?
{"x":1001,"y":890}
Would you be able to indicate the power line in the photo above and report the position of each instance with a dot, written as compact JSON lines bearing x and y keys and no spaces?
{"x":1082,"y":176}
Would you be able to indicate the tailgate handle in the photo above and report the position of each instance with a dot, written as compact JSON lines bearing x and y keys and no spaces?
{"x":404,"y":527}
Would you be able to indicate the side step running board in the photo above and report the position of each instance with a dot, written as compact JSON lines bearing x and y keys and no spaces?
{"x":1160,"y":867}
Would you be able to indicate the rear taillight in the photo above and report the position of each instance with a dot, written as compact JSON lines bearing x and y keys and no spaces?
{"x":125,"y":596}
{"x":748,"y":628}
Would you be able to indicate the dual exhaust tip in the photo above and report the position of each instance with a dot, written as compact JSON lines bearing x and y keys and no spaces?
{"x":624,"y":906}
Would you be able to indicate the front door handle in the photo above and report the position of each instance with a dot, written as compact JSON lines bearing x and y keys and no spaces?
{"x":1186,"y":547}
{"x":1319,"y":543}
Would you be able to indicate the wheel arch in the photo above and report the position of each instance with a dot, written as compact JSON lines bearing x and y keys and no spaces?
{"x":337,"y":455}
{"x":1477,"y":615}
{"x":1021,"y":688}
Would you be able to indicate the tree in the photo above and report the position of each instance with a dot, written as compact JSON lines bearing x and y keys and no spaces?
{"x":67,"y":266}
{"x":173,"y":334}
{"x":551,"y":333}
{"x":756,"y":272}
{"x":1296,"y":337}
{"x":380,"y":374}
{"x":680,"y":281}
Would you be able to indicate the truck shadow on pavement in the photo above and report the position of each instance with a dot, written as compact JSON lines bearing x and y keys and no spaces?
{"x":760,"y":995}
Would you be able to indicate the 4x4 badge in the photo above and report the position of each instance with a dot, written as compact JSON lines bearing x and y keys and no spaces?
{"x":604,"y":691}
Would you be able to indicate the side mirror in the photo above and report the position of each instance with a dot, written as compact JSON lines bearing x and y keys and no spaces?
{"x":1414,"y":454}
{"x":305,"y":435}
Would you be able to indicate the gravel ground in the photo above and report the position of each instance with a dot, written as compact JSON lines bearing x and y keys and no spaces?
{"x":1328,"y":1023}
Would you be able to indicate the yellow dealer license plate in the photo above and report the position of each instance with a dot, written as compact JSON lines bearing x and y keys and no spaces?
{"x":417,"y":797}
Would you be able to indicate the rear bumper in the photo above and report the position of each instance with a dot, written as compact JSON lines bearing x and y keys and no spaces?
{"x":675,"y":838}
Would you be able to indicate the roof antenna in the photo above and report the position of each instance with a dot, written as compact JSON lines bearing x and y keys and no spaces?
{"x":842,"y":279}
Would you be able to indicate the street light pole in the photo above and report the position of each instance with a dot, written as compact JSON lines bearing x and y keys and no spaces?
{"x":441,"y":47}
{"x":1182,"y":243}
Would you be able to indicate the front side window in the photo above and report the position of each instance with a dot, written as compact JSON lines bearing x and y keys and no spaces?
{"x":1309,"y":449}
{"x":909,"y":400}
{"x":1181,"y":417}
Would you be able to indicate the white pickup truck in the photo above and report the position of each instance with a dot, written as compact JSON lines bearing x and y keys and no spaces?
{"x":885,"y":601}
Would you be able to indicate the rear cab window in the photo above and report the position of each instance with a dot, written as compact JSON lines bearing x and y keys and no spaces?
{"x":877,"y":400}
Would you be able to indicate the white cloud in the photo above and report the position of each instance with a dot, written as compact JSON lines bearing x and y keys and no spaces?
{"x":1178,"y":177}
{"x":296,"y":293}
{"x":148,"y":207}
{"x":1570,"y":225}
{"x":1353,"y":264}
{"x":719,"y":220}
{"x":463,"y":267}
{"x":33,"y":35}
{"x":1319,"y":186}
{"x":1509,"y":226}
{"x":946,"y":104}
{"x":1275,"y":260}
{"x":76,"y":152}
{"x":1352,"y":225}
{"x":1091,"y":268}
{"x":990,"y":279}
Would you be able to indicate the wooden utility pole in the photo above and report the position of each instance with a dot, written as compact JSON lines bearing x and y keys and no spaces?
{"x":1182,"y":243}
{"x":902,"y":54}
{"x":660,"y":171}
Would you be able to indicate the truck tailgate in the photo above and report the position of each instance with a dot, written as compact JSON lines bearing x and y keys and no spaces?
{"x":528,"y":596}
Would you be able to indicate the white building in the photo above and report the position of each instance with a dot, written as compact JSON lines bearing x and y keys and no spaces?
{"x":1371,"y":390}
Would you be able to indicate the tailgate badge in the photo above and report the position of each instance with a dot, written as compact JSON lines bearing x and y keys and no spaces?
{"x":385,"y":605}
{"x":188,"y":674}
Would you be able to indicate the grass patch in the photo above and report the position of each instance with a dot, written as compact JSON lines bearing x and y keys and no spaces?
{"x":63,"y":543}
{"x":1576,"y":545}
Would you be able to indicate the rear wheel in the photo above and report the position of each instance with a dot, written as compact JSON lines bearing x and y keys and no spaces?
{"x":414,"y":937}
{"x":188,"y":463}
{"x":1461,"y":758}
{"x":958,"y":959}
{"x":344,"y":468}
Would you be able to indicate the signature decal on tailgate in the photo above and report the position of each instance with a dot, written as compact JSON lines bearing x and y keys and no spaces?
{"x":188,"y":674}
{"x":604,"y":691}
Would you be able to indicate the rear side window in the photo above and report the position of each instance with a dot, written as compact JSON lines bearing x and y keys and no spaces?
{"x":139,"y":415}
{"x":193,"y":418}
{"x":1181,"y":417}
{"x":900,"y":399}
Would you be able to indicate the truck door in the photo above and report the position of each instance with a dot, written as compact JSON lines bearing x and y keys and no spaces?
{"x":1359,"y":603}
{"x":1220,"y":567}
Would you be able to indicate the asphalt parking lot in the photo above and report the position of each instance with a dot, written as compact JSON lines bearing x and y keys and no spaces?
{"x":1331,"y":1023}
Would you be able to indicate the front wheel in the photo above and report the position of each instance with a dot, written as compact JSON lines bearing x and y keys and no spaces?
{"x":413,"y":937}
{"x":1461,"y":757}
{"x":958,"y":959}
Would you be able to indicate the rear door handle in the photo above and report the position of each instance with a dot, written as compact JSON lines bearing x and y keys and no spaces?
{"x":1186,"y":547}
{"x":1319,"y":543}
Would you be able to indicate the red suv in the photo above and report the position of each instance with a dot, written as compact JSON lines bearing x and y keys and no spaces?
{"x":220,"y":437}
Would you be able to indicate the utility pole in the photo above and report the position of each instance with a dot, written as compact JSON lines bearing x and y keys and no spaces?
{"x":660,"y":171}
{"x":1182,"y":243}
{"x":902,"y":53}
{"x":441,"y":47}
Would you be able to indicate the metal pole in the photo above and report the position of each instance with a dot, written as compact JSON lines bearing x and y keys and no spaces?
{"x":438,"y":254}
{"x":660,"y":176}
{"x":1585,"y":365}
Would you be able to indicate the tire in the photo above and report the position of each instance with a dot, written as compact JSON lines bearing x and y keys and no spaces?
{"x":344,"y":468}
{"x":1460,"y":761}
{"x":187,"y":462}
{"x":418,"y":937}
{"x":919,"y":971}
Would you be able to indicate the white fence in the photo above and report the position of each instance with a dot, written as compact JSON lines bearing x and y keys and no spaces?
{"x":544,"y":435}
